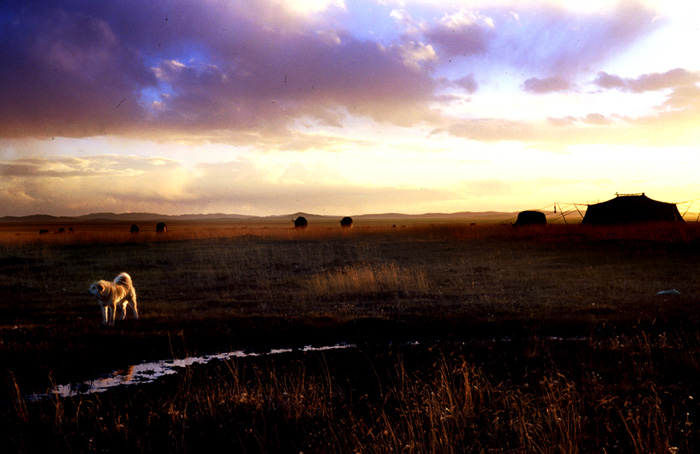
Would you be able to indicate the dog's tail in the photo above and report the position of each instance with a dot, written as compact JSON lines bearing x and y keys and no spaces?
{"x":123,"y":279}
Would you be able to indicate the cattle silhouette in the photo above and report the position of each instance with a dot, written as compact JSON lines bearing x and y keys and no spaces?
{"x":346,"y":222}
{"x":300,"y":223}
{"x":535,"y":218}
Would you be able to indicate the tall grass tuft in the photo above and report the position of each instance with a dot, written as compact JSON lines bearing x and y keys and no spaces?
{"x":365,"y":279}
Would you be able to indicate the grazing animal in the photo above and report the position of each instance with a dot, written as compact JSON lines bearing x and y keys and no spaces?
{"x":134,"y":228}
{"x":346,"y":222}
{"x":120,"y":292}
{"x":300,"y":223}
{"x":532,"y":218}
{"x":161,"y":228}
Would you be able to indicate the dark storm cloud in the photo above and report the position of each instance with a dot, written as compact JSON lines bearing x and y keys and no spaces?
{"x":86,"y":68}
{"x":64,"y":71}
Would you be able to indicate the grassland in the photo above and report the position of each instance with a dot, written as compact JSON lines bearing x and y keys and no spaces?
{"x":469,"y":338}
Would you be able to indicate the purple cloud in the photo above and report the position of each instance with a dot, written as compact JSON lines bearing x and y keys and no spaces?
{"x":89,"y":68}
{"x":468,"y":83}
{"x":65,"y":71}
{"x":674,"y":78}
{"x":553,"y":44}
{"x":84,"y":68}
{"x":548,"y":85}
{"x":464,"y":33}
{"x":550,"y":40}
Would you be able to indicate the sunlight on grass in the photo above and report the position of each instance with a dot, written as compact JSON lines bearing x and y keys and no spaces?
{"x":368,"y":279}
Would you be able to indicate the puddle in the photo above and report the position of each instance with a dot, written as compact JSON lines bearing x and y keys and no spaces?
{"x":153,"y":371}
{"x":150,"y":372}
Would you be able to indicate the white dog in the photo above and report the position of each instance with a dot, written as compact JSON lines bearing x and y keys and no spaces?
{"x":113,"y":294}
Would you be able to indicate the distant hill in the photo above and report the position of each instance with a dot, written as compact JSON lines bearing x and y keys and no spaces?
{"x":462,"y":215}
{"x":119,"y":217}
{"x":465,"y":216}
{"x":140,"y":217}
{"x":36,"y":218}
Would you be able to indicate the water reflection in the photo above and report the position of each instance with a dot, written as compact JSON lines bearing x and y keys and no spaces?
{"x":150,"y":372}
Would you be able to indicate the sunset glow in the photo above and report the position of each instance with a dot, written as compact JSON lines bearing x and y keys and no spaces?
{"x":345,"y":107}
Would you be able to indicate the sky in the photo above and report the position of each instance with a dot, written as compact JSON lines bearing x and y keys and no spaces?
{"x":345,"y":107}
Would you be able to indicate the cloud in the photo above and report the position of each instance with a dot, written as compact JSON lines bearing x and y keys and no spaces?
{"x":548,"y":85}
{"x":86,"y":68}
{"x":674,"y":78}
{"x":110,"y":166}
{"x":298,"y":187}
{"x":542,"y":39}
{"x":492,"y":129}
{"x":666,"y":127}
{"x":66,"y":73}
{"x":597,"y":119}
{"x":464,"y":33}
{"x":67,"y":185}
{"x":468,"y":83}
{"x":551,"y":40}
{"x":687,"y":98}
{"x":129,"y":68}
{"x":43,"y":167}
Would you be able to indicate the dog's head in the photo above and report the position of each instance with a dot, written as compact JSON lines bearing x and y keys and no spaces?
{"x":98,"y":289}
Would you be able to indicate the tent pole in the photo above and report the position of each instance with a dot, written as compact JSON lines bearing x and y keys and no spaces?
{"x":687,"y":209}
{"x":562,"y":215}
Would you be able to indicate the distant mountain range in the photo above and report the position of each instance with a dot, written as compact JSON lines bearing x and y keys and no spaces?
{"x":153,"y":217}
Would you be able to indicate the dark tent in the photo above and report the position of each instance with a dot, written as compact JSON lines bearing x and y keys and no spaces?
{"x":631,"y":208}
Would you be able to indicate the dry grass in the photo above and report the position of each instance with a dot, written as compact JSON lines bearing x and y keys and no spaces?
{"x":359,"y":280}
{"x":442,"y":404}
{"x":625,"y":378}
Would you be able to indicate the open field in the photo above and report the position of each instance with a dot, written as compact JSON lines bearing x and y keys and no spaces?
{"x":469,"y":338}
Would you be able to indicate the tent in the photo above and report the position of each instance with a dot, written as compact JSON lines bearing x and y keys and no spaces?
{"x":631,"y":208}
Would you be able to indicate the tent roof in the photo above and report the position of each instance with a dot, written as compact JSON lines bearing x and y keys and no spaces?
{"x":634,"y":208}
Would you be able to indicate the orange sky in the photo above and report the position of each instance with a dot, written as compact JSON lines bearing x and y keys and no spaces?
{"x":343,"y":108}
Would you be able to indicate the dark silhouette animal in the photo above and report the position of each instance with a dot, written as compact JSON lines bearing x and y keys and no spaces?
{"x":300,"y":223}
{"x":161,"y":228}
{"x":134,"y":228}
{"x":346,"y":222}
{"x":43,"y":231}
{"x":534,"y":218}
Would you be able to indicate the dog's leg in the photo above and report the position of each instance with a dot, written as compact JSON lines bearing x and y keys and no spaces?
{"x":124,"y":304}
{"x":105,"y":314}
{"x":133,"y":305}
{"x":114,"y":312}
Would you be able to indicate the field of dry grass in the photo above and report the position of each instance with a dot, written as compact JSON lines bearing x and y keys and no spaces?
{"x":469,"y":338}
